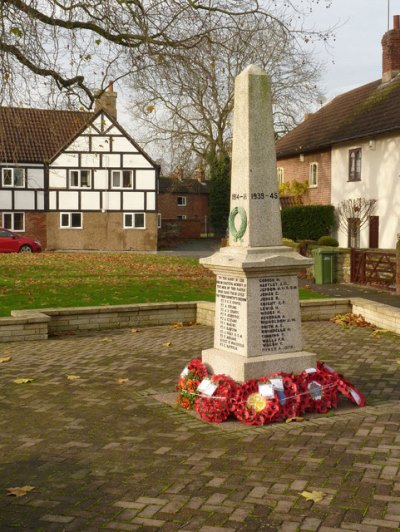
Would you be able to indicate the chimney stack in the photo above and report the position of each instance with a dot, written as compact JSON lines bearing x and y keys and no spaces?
{"x":107,"y":100}
{"x":391,"y":51}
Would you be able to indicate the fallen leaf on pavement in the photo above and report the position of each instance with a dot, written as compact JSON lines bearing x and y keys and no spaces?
{"x":167,"y":344}
{"x":135,"y":330}
{"x":177,"y":325}
{"x":5,"y":359}
{"x":22,"y":381}
{"x":105,"y":340}
{"x":73,"y":377}
{"x":378,"y":332}
{"x":122,"y":381}
{"x":315,"y":496}
{"x":20,"y":491}
{"x":293,"y":419}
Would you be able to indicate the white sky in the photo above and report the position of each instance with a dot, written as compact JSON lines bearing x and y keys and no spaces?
{"x":355,"y":57}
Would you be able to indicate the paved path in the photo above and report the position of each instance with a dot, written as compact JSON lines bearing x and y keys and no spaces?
{"x":103,"y":455}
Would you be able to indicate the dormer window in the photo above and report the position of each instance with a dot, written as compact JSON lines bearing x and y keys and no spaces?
{"x":13,"y":177}
{"x":80,"y":178}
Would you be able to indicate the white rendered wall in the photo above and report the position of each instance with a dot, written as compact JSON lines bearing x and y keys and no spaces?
{"x":35,"y":178}
{"x":380,"y":180}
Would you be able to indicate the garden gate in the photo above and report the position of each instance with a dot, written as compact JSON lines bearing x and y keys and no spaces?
{"x":375,"y":268}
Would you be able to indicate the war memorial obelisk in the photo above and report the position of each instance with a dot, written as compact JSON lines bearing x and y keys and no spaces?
{"x":257,"y":311}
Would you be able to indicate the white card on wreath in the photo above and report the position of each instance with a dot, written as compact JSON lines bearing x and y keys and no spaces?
{"x":310,"y":370}
{"x":207,"y":387}
{"x":185,"y":372}
{"x":266,"y":390}
{"x":277,"y":383}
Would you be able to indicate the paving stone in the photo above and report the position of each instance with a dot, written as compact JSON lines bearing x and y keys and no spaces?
{"x":103,"y":455}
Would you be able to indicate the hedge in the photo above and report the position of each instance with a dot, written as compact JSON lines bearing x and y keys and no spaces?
{"x":307,"y":222}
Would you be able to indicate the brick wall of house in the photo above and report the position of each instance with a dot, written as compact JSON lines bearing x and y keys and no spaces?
{"x":36,"y":227}
{"x":196,"y":207}
{"x":295,"y":169}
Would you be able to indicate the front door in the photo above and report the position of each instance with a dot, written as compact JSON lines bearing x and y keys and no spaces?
{"x":374,"y":232}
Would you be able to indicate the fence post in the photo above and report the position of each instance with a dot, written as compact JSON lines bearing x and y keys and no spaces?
{"x":398,"y":267}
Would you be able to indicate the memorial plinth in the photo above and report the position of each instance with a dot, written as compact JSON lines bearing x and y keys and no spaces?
{"x":257,"y":314}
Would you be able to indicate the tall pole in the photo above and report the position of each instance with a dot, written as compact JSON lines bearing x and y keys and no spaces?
{"x":388,"y":16}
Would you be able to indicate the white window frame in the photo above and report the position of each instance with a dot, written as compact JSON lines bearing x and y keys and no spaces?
{"x":69,"y":215}
{"x":313,"y":183}
{"x":12,"y":170}
{"x":120,"y":171}
{"x":134,"y":214}
{"x":183,"y":199}
{"x":12,"y":214}
{"x":80,"y":170}
{"x":159,"y":220}
{"x":280,"y":174}
{"x":181,"y":216}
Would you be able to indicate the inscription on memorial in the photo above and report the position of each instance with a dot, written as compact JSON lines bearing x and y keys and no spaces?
{"x":277,"y":315}
{"x":231,"y":295}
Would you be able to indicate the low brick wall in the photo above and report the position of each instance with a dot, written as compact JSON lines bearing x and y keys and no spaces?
{"x":32,"y":326}
{"x":380,"y":315}
{"x":38,"y":325}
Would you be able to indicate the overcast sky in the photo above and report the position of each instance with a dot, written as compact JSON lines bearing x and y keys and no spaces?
{"x":355,"y":57}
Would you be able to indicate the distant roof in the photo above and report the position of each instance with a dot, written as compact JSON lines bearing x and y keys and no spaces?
{"x":184,"y":186}
{"x":36,"y":135}
{"x":369,"y":110}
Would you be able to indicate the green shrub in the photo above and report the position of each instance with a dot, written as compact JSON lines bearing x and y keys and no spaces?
{"x":328,"y":241}
{"x":307,"y":222}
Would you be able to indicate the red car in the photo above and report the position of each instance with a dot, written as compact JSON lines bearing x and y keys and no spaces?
{"x":13,"y":243}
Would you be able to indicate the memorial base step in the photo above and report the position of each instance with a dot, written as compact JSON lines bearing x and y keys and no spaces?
{"x":241,"y":368}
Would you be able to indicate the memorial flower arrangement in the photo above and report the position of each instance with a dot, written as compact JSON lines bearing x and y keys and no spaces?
{"x":265,"y":400}
{"x":191,"y":376}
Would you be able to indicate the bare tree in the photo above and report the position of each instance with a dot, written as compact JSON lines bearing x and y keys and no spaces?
{"x":183,"y":100}
{"x":353,"y":214}
{"x":75,"y":46}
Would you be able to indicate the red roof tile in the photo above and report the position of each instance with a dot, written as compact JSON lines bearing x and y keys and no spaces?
{"x":36,"y":135}
{"x":369,"y":110}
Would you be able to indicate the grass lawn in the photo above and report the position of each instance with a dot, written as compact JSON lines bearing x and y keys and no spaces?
{"x":48,"y":280}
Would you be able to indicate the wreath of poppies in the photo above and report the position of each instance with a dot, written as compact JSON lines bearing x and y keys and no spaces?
{"x":265,"y":400}
{"x":188,"y":382}
{"x":321,"y":391}
{"x":252,"y":408}
{"x":217,"y":407}
{"x":345,"y":387}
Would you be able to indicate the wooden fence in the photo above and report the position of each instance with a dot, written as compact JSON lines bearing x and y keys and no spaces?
{"x":375,"y":268}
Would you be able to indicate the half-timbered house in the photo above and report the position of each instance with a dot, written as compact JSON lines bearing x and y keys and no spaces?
{"x":76,"y":181}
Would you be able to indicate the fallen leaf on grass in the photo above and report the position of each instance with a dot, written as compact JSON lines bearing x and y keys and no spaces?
{"x":20,"y":491}
{"x":167,"y":344}
{"x":73,"y":377}
{"x":5,"y":359}
{"x":315,"y":496}
{"x":22,"y":381}
{"x":122,"y":381}
{"x":293,"y":419}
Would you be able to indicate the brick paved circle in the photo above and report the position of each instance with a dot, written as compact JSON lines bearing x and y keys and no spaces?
{"x":103,"y":455}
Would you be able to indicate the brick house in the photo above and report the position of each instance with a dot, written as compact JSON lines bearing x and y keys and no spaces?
{"x":76,"y":180}
{"x":183,"y":206}
{"x":350,"y":148}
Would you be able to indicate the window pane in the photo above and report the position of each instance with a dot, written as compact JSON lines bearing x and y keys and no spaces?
{"x":76,"y":219}
{"x":128,"y":220}
{"x":65,"y":220}
{"x":7,"y":177}
{"x":139,"y":219}
{"x":127,"y":179}
{"x":116,"y":179}
{"x":7,"y":220}
{"x":18,"y":221}
{"x":85,"y":178}
{"x":19,"y":177}
{"x":74,"y":178}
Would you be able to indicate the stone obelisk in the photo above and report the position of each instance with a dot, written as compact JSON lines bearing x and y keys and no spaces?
{"x":257,"y":311}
